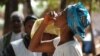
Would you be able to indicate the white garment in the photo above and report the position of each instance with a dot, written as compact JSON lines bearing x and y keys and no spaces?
{"x":71,"y":48}
{"x":20,"y":49}
{"x":15,"y":36}
{"x":88,"y":37}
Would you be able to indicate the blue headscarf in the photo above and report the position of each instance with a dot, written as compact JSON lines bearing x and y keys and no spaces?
{"x":78,"y":18}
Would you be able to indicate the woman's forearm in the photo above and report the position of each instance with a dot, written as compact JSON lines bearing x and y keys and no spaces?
{"x":36,"y":39}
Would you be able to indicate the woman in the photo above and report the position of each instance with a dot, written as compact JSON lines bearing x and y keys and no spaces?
{"x":64,"y":45}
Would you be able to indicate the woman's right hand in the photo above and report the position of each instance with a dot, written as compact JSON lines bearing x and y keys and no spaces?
{"x":48,"y":18}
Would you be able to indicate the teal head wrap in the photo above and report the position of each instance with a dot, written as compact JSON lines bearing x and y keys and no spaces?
{"x":78,"y":18}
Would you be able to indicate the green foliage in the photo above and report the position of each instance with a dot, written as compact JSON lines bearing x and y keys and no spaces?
{"x":2,"y":2}
{"x":2,"y":8}
{"x":22,"y":1}
{"x":53,"y":4}
{"x":40,"y":5}
{"x":96,"y":6}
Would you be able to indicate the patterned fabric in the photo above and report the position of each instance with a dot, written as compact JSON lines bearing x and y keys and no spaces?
{"x":78,"y":18}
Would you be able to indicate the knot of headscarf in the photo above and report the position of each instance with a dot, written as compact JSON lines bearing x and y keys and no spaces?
{"x":78,"y":18}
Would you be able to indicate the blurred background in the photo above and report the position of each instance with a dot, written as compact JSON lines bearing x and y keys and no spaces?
{"x":41,"y":7}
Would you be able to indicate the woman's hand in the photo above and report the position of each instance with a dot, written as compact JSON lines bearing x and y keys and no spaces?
{"x":48,"y":18}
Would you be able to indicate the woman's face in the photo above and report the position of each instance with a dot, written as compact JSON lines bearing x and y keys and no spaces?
{"x":60,"y":20}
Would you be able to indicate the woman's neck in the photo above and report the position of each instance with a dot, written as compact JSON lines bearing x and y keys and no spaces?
{"x":66,"y":34}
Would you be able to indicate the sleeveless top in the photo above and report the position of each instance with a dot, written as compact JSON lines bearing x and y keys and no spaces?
{"x":71,"y":48}
{"x":20,"y":49}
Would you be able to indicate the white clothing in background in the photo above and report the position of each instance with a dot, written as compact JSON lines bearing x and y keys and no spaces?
{"x":88,"y":37}
{"x":20,"y":49}
{"x":15,"y":36}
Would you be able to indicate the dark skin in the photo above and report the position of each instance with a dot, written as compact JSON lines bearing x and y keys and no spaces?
{"x":48,"y":36}
{"x":28,"y":26}
{"x":16,"y":24}
{"x":48,"y":47}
